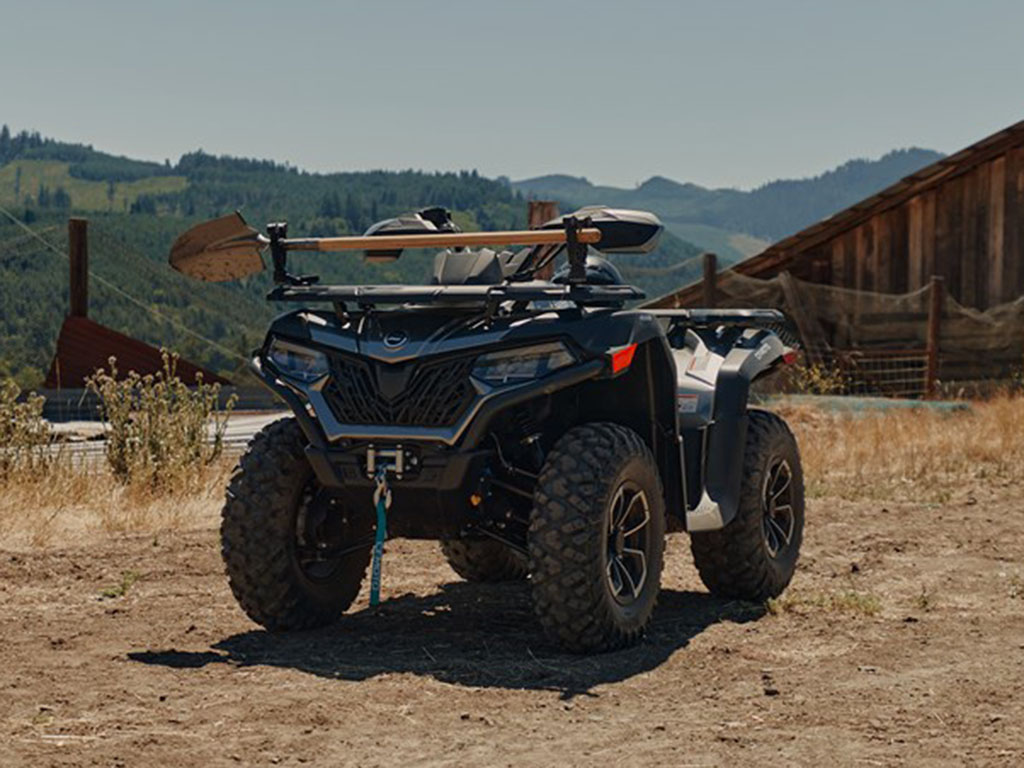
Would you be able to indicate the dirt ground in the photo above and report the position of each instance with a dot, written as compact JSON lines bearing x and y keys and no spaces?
{"x":900,"y":641}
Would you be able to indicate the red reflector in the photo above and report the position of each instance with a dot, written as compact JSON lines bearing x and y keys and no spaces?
{"x":623,"y":358}
{"x":789,"y":356}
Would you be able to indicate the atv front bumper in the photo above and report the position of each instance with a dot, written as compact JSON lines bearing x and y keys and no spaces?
{"x":321,"y":426}
{"x":445,"y":468}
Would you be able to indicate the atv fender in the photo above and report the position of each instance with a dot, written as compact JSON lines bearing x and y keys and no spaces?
{"x":755,"y":354}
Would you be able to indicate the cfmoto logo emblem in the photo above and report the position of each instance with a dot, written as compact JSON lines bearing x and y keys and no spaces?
{"x":396,"y":339}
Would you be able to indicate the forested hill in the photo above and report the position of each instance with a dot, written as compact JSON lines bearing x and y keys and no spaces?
{"x":136,"y":209}
{"x":715,"y":218}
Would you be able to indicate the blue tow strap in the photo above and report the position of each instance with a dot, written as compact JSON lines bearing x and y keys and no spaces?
{"x":382,"y":500}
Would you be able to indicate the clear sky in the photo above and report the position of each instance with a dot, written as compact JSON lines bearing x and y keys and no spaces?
{"x":718,"y":92}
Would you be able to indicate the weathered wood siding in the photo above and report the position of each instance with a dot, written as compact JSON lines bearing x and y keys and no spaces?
{"x":969,"y":229}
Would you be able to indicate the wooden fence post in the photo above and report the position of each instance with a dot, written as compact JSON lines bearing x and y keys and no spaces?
{"x":540,"y":212}
{"x":78,"y":256}
{"x":710,"y":282}
{"x":936,"y":296}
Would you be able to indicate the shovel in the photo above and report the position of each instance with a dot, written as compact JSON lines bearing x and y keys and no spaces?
{"x":221,"y":249}
{"x":229,"y":249}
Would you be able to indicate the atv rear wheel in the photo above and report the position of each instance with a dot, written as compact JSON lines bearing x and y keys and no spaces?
{"x":294,"y":559}
{"x":597,"y":536}
{"x":484,"y":560}
{"x":754,"y":556}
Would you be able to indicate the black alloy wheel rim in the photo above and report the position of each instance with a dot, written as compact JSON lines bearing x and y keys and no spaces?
{"x":319,"y":529}
{"x":778,"y":517}
{"x":628,"y":546}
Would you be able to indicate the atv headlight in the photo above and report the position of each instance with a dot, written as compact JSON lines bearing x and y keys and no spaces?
{"x":297,"y":362}
{"x":513,"y":366}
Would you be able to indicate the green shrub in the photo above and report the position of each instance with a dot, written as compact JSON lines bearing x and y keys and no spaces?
{"x":24,"y":435}
{"x":817,"y":379}
{"x":160,"y":431}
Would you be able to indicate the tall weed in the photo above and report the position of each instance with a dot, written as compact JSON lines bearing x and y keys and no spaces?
{"x":24,"y":435}
{"x":160,"y":431}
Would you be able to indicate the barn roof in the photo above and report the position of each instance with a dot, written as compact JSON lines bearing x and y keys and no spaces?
{"x":83,"y":346}
{"x":779,"y":256}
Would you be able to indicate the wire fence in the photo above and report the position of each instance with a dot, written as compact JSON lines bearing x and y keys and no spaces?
{"x":876,"y":372}
{"x":915,"y":344}
{"x":16,"y":245}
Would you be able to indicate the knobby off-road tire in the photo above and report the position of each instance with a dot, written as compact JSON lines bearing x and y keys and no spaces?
{"x":754,"y":556}
{"x":591,"y":474}
{"x":270,"y":487}
{"x":484,"y":560}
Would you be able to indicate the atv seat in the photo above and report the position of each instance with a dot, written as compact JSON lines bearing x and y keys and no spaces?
{"x":475,"y":267}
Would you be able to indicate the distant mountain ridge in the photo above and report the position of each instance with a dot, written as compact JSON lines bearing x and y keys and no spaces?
{"x":765,"y":214}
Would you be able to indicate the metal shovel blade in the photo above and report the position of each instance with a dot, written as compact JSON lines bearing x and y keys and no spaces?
{"x":221,"y":249}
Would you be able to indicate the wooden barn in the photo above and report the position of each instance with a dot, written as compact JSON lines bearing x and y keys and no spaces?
{"x":960,"y":219}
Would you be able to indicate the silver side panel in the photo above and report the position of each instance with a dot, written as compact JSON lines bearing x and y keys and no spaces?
{"x":707,"y":516}
{"x":696,"y":373}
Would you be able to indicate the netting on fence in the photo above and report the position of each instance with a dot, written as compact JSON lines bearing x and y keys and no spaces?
{"x":877,"y":343}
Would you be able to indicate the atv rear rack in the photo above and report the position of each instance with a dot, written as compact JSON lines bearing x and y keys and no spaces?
{"x":707,"y":317}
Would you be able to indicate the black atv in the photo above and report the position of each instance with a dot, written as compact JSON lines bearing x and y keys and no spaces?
{"x":538,"y":429}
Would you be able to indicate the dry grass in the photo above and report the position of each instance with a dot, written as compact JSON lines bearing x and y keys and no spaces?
{"x":803,"y":603}
{"x":912,"y":455}
{"x":920,"y":455}
{"x":160,"y":471}
{"x":76,"y":503}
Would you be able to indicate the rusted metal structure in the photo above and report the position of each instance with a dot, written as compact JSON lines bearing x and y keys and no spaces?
{"x":961,"y":219}
{"x":83,"y":346}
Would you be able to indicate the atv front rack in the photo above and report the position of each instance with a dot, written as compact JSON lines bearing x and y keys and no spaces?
{"x":369,"y":295}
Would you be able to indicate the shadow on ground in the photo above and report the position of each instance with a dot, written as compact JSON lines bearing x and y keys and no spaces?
{"x":467,"y":634}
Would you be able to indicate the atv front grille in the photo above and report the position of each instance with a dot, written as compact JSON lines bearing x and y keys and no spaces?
{"x":431,"y":394}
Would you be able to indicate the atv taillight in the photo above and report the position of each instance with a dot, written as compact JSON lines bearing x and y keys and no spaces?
{"x":622,"y":358}
{"x":789,"y":356}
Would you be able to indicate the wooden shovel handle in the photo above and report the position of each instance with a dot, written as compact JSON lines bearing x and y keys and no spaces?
{"x":466,"y":239}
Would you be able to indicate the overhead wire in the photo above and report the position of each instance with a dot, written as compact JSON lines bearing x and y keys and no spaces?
{"x":13,"y":245}
{"x":111,"y":242}
{"x":125,"y":295}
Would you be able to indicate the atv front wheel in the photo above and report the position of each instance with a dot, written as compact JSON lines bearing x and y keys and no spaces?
{"x":754,"y":556}
{"x":597,"y":536}
{"x":484,"y":560}
{"x":294,"y":558}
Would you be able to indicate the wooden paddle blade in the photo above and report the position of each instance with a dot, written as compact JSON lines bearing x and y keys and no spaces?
{"x":221,"y":249}
{"x":622,"y":231}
